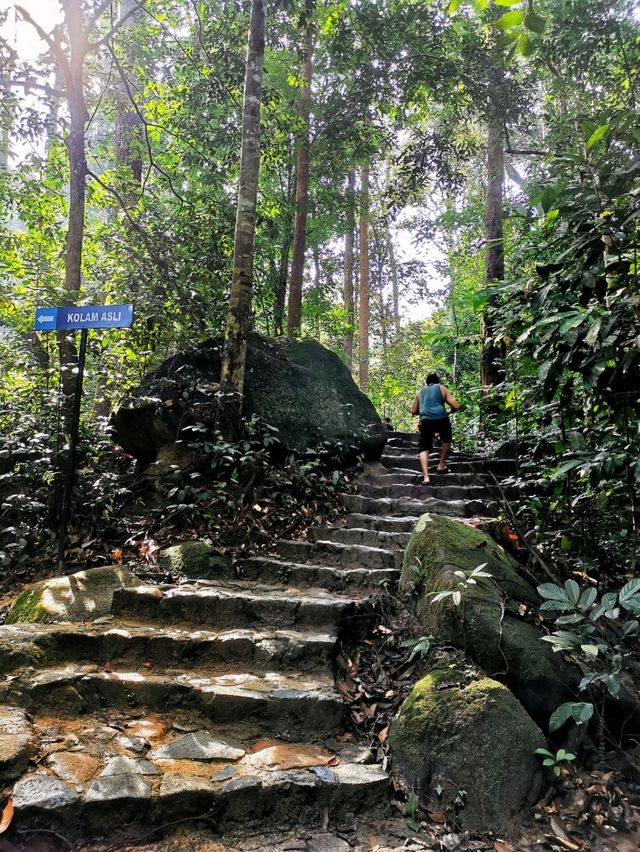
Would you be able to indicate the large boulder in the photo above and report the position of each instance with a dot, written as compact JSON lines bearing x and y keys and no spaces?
{"x":300,"y":387}
{"x":84,"y":596}
{"x":467,"y":750}
{"x":487,"y":625}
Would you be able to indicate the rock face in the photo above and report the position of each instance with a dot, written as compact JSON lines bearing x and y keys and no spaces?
{"x":475,"y":738}
{"x":77,"y":597}
{"x":301,"y":388}
{"x":487,"y":625}
{"x":16,"y":743}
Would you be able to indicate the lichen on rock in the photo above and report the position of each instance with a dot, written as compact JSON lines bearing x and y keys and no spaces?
{"x":467,"y":749}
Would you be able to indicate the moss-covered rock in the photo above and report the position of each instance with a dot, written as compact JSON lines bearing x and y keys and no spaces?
{"x":197,"y":560}
{"x":84,"y":596}
{"x":450,"y":738}
{"x":486,"y":625}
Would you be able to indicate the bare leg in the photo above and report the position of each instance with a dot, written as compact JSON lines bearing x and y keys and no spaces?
{"x":424,"y":464}
{"x":444,"y":449}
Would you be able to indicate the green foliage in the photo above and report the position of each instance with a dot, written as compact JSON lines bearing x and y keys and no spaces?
{"x":592,"y":631}
{"x":465,"y":580}
{"x":554,"y":761}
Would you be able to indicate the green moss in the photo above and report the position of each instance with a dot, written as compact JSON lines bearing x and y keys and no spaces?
{"x":477,"y":738}
{"x":440,"y":544}
{"x":483,"y":626}
{"x":197,"y":560}
{"x":28,"y":608}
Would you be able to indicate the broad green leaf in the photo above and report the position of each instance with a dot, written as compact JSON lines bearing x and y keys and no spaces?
{"x":552,"y":591}
{"x":510,"y":19}
{"x":574,"y":618}
{"x":507,"y":2}
{"x":535,"y":23}
{"x":573,"y":591}
{"x":629,"y":591}
{"x":565,"y":544}
{"x":559,"y":716}
{"x":587,"y":598}
{"x":596,"y":136}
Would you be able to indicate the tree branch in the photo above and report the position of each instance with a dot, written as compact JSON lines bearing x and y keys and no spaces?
{"x":56,"y":49}
{"x":95,"y":45}
{"x":161,"y":264}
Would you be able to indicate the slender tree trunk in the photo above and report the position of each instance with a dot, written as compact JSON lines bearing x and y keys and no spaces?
{"x":238,"y":318}
{"x":492,"y":367}
{"x":75,"y":144}
{"x":394,"y":282}
{"x":348,"y":266}
{"x":294,"y":318}
{"x":363,"y":313}
{"x":128,"y":129}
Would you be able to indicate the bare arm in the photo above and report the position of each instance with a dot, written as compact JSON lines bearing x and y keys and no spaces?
{"x":415,"y":407}
{"x":448,"y":398}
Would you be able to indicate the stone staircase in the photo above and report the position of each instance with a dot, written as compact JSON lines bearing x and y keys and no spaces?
{"x":217,"y":699}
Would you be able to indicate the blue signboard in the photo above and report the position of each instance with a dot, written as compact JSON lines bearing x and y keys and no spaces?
{"x":46,"y":319}
{"x":92,"y":316}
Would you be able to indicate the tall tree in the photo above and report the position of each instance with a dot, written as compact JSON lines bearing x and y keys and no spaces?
{"x":492,"y":367}
{"x":70,"y":45}
{"x":348,"y":267}
{"x":393,"y":268}
{"x":294,"y":319}
{"x":239,"y":313}
{"x":363,"y":307}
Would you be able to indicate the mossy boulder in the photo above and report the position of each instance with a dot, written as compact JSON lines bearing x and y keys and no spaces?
{"x":477,"y":738}
{"x":486,"y":625}
{"x":197,"y":560}
{"x":84,"y":596}
{"x":298,"y":386}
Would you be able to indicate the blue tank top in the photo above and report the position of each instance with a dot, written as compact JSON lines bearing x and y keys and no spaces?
{"x":431,"y":404}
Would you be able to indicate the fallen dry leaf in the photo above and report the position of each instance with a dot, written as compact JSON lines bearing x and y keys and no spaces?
{"x":7,"y":816}
{"x":501,"y":846}
{"x":383,"y":734}
{"x":147,"y":665}
{"x":438,"y":817}
{"x":333,"y":761}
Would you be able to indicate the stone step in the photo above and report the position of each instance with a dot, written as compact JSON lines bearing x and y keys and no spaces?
{"x":407,"y":507}
{"x":312,"y":575}
{"x":381,"y":523}
{"x":338,"y":554}
{"x":354,"y":535}
{"x":419,"y":492}
{"x":118,"y":777}
{"x":483,"y":467}
{"x":136,"y":642}
{"x":233,"y":605}
{"x":402,"y":476}
{"x":273,"y":702}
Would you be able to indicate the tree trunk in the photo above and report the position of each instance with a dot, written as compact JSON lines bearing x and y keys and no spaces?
{"x":348,"y":267}
{"x":363,"y":312}
{"x":492,"y":369}
{"x":75,"y":144}
{"x":294,"y":318}
{"x":394,"y":283}
{"x":128,"y":130}
{"x":239,"y":314}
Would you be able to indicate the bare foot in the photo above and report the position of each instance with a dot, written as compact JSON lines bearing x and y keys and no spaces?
{"x":426,"y":481}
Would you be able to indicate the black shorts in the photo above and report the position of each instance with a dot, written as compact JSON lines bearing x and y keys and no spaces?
{"x":429,"y":428}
